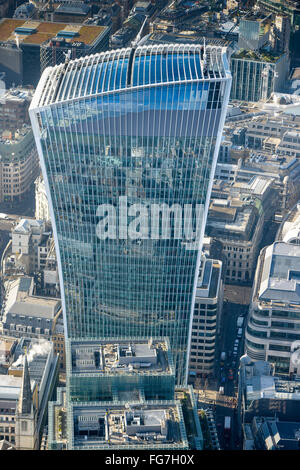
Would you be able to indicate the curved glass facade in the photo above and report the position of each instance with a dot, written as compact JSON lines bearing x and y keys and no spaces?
{"x":120,"y":129}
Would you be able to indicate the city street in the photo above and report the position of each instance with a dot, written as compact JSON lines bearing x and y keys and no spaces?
{"x":226,"y":371}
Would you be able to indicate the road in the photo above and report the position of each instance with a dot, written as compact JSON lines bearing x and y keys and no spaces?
{"x":225,"y":342}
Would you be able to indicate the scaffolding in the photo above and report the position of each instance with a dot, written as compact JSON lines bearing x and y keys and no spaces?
{"x":57,"y":50}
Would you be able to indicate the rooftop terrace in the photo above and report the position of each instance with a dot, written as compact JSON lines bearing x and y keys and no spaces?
{"x":252,"y":55}
{"x":120,"y":356}
{"x":156,"y":425}
{"x":38,"y":32}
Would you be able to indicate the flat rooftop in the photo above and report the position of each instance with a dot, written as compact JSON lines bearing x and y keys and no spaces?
{"x":43,"y":31}
{"x":120,"y":356}
{"x":148,"y":425}
{"x":19,"y":94}
{"x":280,"y":280}
{"x":20,"y":301}
{"x":10,"y":387}
{"x":263,"y":56}
{"x":15,"y":137}
{"x":209,"y":279}
{"x":271,"y":387}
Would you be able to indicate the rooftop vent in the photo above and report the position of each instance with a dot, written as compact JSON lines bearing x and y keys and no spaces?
{"x":26,"y":31}
{"x":67,"y":34}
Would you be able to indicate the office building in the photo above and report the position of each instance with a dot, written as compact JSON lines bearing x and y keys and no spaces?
{"x":14,"y":105}
{"x":27,"y":251}
{"x":25,"y":392}
{"x":34,"y":316}
{"x":131,"y":423}
{"x":4,"y":7}
{"x":273,"y":434}
{"x":206,"y":320}
{"x":289,"y":230}
{"x":255,"y":76}
{"x":280,"y":34}
{"x":102,"y":370}
{"x":73,"y":41}
{"x":261,"y":394}
{"x":28,"y":46}
{"x":116,"y":426}
{"x":236,"y":218}
{"x":291,"y":8}
{"x":146,"y":137}
{"x":71,"y":12}
{"x":19,"y":165}
{"x":273,"y":323}
{"x":41,"y":202}
{"x":254,"y":31}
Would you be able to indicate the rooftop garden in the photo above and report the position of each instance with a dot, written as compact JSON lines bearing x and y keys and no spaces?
{"x":259,"y":56}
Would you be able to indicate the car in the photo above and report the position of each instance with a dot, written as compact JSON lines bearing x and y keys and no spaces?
{"x":230,"y":374}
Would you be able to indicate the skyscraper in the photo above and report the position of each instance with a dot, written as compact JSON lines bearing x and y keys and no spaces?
{"x":128,"y":141}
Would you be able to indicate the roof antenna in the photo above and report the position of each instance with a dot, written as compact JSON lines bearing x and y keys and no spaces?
{"x":204,"y":52}
{"x":67,"y":56}
{"x":138,"y":36}
{"x":17,"y":40}
{"x":134,"y":45}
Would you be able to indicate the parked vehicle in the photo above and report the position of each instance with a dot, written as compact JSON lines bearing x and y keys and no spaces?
{"x":227,"y":427}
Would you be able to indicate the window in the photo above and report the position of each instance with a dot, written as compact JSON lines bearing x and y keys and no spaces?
{"x":23,"y":425}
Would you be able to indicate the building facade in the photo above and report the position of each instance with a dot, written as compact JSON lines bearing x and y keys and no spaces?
{"x":41,"y":202}
{"x":272,"y":332}
{"x":139,"y":130}
{"x":256,"y":76}
{"x":14,"y":106}
{"x":19,"y":164}
{"x":206,"y":320}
